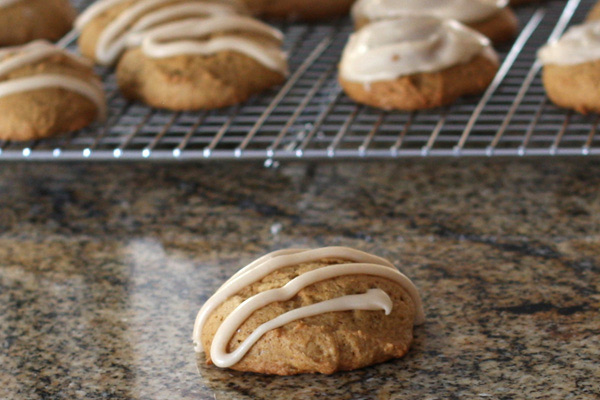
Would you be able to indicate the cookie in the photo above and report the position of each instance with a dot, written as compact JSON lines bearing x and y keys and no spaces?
{"x":308,"y":10}
{"x":107,"y":26}
{"x":309,"y":311}
{"x":494,"y":19}
{"x":203,"y":63}
{"x":571,"y":68}
{"x":22,"y":21}
{"x":414,"y":63}
{"x":45,"y":91}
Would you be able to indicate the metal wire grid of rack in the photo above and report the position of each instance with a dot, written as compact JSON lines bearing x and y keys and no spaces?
{"x":310,"y":118}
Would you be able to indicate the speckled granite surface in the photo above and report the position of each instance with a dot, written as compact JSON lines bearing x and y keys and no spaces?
{"x":102,"y":269}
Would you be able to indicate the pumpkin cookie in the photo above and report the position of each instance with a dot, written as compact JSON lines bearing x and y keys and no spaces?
{"x":310,"y":10}
{"x":571,"y":72}
{"x":108,"y":26}
{"x":45,"y":91}
{"x":22,"y":21}
{"x":203,"y":63}
{"x":414,"y":63}
{"x":309,"y":311}
{"x":493,"y":18}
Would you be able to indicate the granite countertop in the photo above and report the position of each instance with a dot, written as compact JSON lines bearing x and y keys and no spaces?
{"x":103,"y":268}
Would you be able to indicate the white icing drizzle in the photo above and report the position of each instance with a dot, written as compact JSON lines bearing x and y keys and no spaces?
{"x":373,"y":300}
{"x":38,"y":51}
{"x":580,"y":44}
{"x":360,"y":263}
{"x":389,"y":49}
{"x":6,"y":3}
{"x":466,"y":11}
{"x":141,"y":16}
{"x":102,"y":6}
{"x":156,"y":43}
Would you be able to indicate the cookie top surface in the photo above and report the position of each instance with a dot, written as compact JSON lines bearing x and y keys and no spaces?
{"x":14,"y":60}
{"x":122,"y":19}
{"x":580,"y":44}
{"x":349,"y":263}
{"x":389,"y":49}
{"x":466,"y":11}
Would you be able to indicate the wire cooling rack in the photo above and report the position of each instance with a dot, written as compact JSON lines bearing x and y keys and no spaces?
{"x":310,"y":118}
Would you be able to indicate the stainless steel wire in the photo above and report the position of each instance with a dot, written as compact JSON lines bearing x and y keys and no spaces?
{"x":309,"y":117}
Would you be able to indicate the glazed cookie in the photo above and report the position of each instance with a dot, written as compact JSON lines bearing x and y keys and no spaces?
{"x":309,"y":311}
{"x":45,"y":91}
{"x":22,"y":21}
{"x":203,"y":63}
{"x":310,"y":10}
{"x":413,"y":63}
{"x":571,"y":73}
{"x":493,"y":18}
{"x":107,"y":26}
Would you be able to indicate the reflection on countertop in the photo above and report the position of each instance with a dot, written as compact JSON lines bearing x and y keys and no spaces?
{"x":103,"y":268}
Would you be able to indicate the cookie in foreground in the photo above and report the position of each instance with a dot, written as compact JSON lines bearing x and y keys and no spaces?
{"x":44,"y":91}
{"x":571,"y":68}
{"x":414,"y":63}
{"x":22,"y":21}
{"x":309,"y":311}
{"x":493,"y":19}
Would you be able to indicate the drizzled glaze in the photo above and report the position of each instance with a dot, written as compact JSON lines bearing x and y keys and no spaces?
{"x":359,"y":263}
{"x":466,"y":11}
{"x":179,"y":22}
{"x":172,"y":39}
{"x":389,"y":49}
{"x":17,"y":57}
{"x":580,"y":44}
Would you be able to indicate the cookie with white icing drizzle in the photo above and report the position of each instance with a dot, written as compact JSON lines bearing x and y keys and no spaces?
{"x":414,"y":63}
{"x":309,"y":311}
{"x":22,"y":21}
{"x":203,"y":63}
{"x":107,"y":25}
{"x":310,"y":10}
{"x":184,"y":54}
{"x":571,"y":68}
{"x":493,"y":18}
{"x":45,"y":90}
